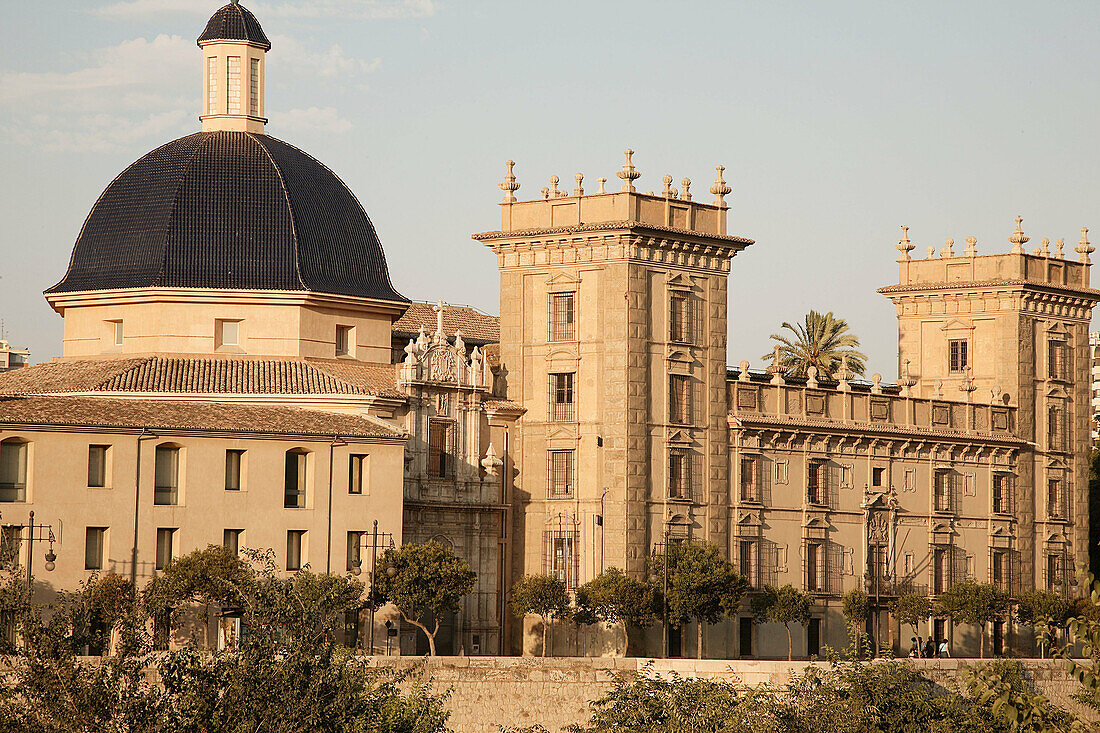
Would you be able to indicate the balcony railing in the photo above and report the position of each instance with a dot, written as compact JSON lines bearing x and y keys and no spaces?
{"x":894,"y":586}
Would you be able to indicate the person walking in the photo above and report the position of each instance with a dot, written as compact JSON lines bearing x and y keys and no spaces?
{"x":944,"y":651}
{"x":914,"y":648}
{"x":929,"y":648}
{"x":920,"y":647}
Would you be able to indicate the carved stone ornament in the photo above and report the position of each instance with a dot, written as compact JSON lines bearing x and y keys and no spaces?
{"x":878,"y":528}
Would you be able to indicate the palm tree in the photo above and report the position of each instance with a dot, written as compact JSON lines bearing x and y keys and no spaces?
{"x":821,"y":341}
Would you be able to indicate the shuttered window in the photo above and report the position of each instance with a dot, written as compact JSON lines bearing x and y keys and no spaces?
{"x":562,"y":317}
{"x":561,"y":397}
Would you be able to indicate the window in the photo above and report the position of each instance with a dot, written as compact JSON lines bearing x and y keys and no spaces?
{"x":998,"y":568}
{"x":355,"y":548}
{"x":876,"y":476}
{"x":231,"y":539}
{"x":748,"y":560}
{"x":95,"y":540}
{"x":1056,"y":428}
{"x":165,"y":540}
{"x":358,"y":467}
{"x":744,"y":636}
{"x":441,"y":448}
{"x":562,"y":557}
{"x":254,"y":88}
{"x":1054,"y":571}
{"x":943,"y":490}
{"x":939,"y":570}
{"x":212,"y":85}
{"x":958,"y":359}
{"x":116,"y":327}
{"x":13,"y":470}
{"x":295,"y":539}
{"x":227,"y":333}
{"x":234,"y":462}
{"x":166,"y":475}
{"x":561,"y":397}
{"x":681,"y":318}
{"x":1057,"y":361}
{"x":813,"y":637}
{"x":750,"y":480}
{"x":815,"y":482}
{"x":561,"y":474}
{"x":562,"y":317}
{"x":97,"y":466}
{"x":234,"y":88}
{"x":294,"y":479}
{"x":679,"y":473}
{"x":1055,"y":503}
{"x":345,"y":340}
{"x":815,"y":567}
{"x":1002,"y":497}
{"x":679,"y":399}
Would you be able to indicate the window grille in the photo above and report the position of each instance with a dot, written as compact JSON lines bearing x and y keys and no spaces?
{"x":562,"y":317}
{"x":680,"y":399}
{"x":748,"y":561}
{"x":11,"y":539}
{"x":1057,"y":428}
{"x":679,"y":473}
{"x":750,"y":480}
{"x":1058,"y":360}
{"x":945,"y":489}
{"x":1003,"y":498}
{"x":561,"y":554}
{"x":958,"y":356}
{"x":682,"y":319}
{"x":441,"y":448}
{"x":1056,"y":499}
{"x":231,"y":539}
{"x":561,"y":474}
{"x":561,"y":397}
{"x":816,"y":477}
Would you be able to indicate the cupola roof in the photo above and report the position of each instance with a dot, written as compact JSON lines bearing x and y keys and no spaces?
{"x":234,"y":22}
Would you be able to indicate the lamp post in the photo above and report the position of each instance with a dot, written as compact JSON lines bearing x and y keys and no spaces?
{"x":664,"y":589}
{"x":50,"y":556}
{"x":356,"y":569}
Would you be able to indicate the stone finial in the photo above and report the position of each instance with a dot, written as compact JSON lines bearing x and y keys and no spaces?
{"x":545,"y":192}
{"x":843,"y":374}
{"x":948,"y":248}
{"x":459,"y":343}
{"x":1044,"y":247}
{"x":410,"y":353}
{"x":554,"y":192}
{"x":720,"y":189}
{"x":491,"y":462}
{"x":579,"y":189}
{"x":422,"y":342}
{"x":509,"y":185}
{"x":876,"y":383}
{"x":744,"y":375}
{"x":906,"y":381}
{"x":811,"y":377}
{"x":601,"y":181}
{"x":1083,"y":247}
{"x":667,"y":180}
{"x":939,"y":388}
{"x":629,"y":174}
{"x":1018,"y":238}
{"x":1059,"y":244}
{"x":967,"y":386}
{"x":971,"y":247}
{"x":439,"y":337}
{"x":931,"y":251}
{"x":774,"y":367}
{"x":904,"y":245}
{"x":686,"y":186}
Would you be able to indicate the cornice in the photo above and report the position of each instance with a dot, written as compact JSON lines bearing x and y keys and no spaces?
{"x":129,"y":296}
{"x":904,"y":432}
{"x":1089,"y":294}
{"x":629,"y":225}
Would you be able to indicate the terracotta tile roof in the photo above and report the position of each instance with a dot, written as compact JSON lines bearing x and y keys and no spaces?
{"x":477,"y":327}
{"x":98,"y":412}
{"x":204,"y":375}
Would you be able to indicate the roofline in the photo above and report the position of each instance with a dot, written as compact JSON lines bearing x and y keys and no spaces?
{"x":629,"y":225}
{"x":194,"y":432}
{"x":979,"y":284}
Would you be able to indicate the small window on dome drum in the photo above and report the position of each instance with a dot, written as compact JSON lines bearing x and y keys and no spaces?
{"x":227,"y":333}
{"x":345,"y":340}
{"x":234,"y":86}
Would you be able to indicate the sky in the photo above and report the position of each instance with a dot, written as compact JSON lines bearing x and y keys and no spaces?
{"x":837,"y":123}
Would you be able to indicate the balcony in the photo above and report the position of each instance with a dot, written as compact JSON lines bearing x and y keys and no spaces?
{"x":892,"y":587}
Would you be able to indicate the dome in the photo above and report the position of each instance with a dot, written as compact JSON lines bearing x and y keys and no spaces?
{"x":234,"y":23}
{"x":234,"y":211}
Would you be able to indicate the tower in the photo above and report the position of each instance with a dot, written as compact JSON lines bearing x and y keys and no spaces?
{"x":1012,"y":328}
{"x":613,"y":337}
{"x":233,"y":49}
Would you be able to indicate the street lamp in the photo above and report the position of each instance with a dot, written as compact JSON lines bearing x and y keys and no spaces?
{"x":356,"y":569}
{"x":51,"y":558}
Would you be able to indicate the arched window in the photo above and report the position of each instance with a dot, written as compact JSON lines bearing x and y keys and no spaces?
{"x":294,"y":496}
{"x":13,"y":470}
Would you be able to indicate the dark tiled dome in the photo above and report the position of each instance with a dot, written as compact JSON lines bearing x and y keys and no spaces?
{"x":229,"y":210}
{"x":234,"y":23}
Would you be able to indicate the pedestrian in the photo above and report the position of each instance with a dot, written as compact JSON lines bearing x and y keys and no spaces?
{"x":944,"y":651}
{"x":914,"y":649}
{"x":929,"y":648}
{"x":920,"y":647}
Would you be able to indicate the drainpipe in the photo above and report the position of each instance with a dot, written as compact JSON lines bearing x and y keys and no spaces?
{"x":505,"y":544}
{"x":336,"y":440}
{"x":144,"y":434}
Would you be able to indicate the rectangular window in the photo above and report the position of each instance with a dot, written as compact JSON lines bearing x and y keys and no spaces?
{"x":212,"y":85}
{"x":813,"y":637}
{"x":358,"y":465}
{"x":294,"y":479}
{"x":815,"y":482}
{"x":1002,"y":499}
{"x":1057,"y":360}
{"x":231,"y":538}
{"x":877,"y":475}
{"x":998,"y":569}
{"x":679,"y":399}
{"x":117,"y":325}
{"x":227,"y":333}
{"x":234,"y":463}
{"x":295,"y":540}
{"x":165,"y":540}
{"x":747,"y":561}
{"x":750,"y":484}
{"x":344,"y":340}
{"x":681,"y":319}
{"x":254,"y":88}
{"x":1054,"y":571}
{"x":561,"y":397}
{"x":166,"y":475}
{"x":1057,"y":435}
{"x":958,"y":357}
{"x":679,"y":473}
{"x":562,"y":317}
{"x":939,"y":570}
{"x":943,"y":490}
{"x":95,"y":540}
{"x":441,"y":448}
{"x":354,"y":550}
{"x":97,"y":466}
{"x":564,"y":559}
{"x":234,"y":89}
{"x":1055,"y":508}
{"x":744,"y":636}
{"x":561,"y":474}
{"x":815,"y":566}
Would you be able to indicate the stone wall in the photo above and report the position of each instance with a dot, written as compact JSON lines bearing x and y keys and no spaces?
{"x":487,"y":692}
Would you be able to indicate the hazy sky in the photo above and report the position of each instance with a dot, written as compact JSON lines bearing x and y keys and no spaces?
{"x":837,"y":123}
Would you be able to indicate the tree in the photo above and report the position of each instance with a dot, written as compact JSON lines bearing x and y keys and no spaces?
{"x":214,"y":576}
{"x":975,"y":603}
{"x":424,"y":581}
{"x":614,"y":597}
{"x":702,"y":585}
{"x":1044,"y":610}
{"x":820,"y":341}
{"x":912,"y":609}
{"x":857,"y":609}
{"x":543,"y":595}
{"x":786,"y":605}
